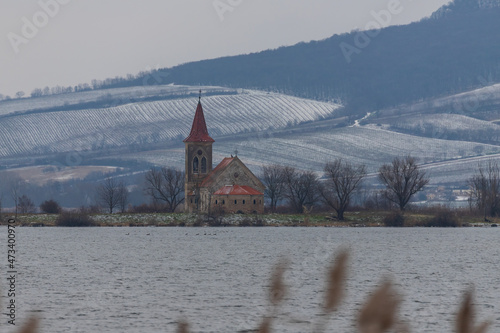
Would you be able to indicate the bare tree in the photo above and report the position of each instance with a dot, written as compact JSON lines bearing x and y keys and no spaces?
{"x":16,"y":184}
{"x":402,"y":178}
{"x":109,"y":193}
{"x":123,"y":196}
{"x":342,"y":179}
{"x":301,"y":189}
{"x":25,"y":205}
{"x":485,"y":189}
{"x":273,"y":177}
{"x":166,"y":185}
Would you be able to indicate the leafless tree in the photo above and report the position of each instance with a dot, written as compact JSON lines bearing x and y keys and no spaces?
{"x":123,"y":197}
{"x":342,"y":180}
{"x":301,"y":189}
{"x":16,"y":185}
{"x":25,"y":205}
{"x":402,"y":178}
{"x":166,"y":185}
{"x":110,"y":193}
{"x":485,"y":189}
{"x":273,"y":177}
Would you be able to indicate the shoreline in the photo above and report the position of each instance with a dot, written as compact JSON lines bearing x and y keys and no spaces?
{"x":356,"y":219}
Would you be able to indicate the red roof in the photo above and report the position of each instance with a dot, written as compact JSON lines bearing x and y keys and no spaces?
{"x":218,"y":169}
{"x":199,"y":132}
{"x":237,"y":190}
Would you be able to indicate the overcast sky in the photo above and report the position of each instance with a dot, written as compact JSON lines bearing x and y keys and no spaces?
{"x":66,"y":42}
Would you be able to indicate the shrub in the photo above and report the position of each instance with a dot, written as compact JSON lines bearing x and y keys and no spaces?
{"x":145,"y":208}
{"x":394,"y":220}
{"x":70,"y":219}
{"x":443,"y":219}
{"x":50,"y":207}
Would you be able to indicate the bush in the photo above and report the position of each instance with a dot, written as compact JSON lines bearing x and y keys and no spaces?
{"x":50,"y":207}
{"x":69,"y":219}
{"x":394,"y":220}
{"x":443,"y":219}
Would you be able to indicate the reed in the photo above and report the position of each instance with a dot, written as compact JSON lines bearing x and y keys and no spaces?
{"x":379,"y":314}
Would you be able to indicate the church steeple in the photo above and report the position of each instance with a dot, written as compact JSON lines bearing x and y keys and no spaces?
{"x":198,"y":151}
{"x":199,"y":132}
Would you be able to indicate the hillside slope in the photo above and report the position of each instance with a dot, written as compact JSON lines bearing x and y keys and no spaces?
{"x":262,"y":127}
{"x":369,"y":70}
{"x":147,"y":123}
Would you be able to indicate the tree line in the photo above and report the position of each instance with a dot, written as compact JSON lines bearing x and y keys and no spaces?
{"x":302,"y":190}
{"x":297,"y":191}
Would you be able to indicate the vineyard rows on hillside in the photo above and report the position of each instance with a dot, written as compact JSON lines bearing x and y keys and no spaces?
{"x":115,"y":96}
{"x":372,"y":147}
{"x":152,"y":122}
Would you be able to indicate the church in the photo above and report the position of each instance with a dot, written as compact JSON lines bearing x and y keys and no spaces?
{"x":230,"y":187}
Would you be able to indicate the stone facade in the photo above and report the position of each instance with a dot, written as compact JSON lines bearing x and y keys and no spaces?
{"x":238,"y":203}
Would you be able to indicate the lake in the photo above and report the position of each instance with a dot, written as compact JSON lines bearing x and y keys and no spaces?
{"x":146,"y":279}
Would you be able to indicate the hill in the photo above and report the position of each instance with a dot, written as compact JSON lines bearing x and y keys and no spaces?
{"x":452,"y":52}
{"x":64,"y":148}
{"x":27,"y":132}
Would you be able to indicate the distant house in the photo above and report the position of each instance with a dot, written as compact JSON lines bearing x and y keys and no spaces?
{"x":230,"y":187}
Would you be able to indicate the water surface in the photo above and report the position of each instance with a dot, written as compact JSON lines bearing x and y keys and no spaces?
{"x":146,"y":279}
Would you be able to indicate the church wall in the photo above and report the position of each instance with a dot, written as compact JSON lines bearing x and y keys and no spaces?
{"x":238,"y":203}
{"x":235,"y":174}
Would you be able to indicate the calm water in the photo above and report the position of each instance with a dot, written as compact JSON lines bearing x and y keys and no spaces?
{"x":146,"y":279}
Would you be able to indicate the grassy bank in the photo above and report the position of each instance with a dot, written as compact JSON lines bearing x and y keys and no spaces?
{"x":353,"y":219}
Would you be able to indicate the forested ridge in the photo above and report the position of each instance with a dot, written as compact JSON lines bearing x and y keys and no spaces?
{"x":452,"y":52}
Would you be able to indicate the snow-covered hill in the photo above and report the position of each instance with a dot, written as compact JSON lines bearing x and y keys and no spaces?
{"x":145,"y":123}
{"x":115,"y":96}
{"x":370,"y":146}
{"x":263,"y":127}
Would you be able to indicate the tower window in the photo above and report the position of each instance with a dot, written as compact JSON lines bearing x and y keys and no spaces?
{"x":254,"y":202}
{"x":223,"y":202}
{"x":195,"y":165}
{"x":204,"y":165}
{"x":216,"y":202}
{"x":235,"y":202}
{"x":243,"y":201}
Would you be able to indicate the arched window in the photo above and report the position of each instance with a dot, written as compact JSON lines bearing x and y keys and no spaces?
{"x":195,"y":165}
{"x":235,"y":202}
{"x":204,"y":165}
{"x":243,"y":201}
{"x":254,"y":202}
{"x":223,"y":202}
{"x":216,"y":202}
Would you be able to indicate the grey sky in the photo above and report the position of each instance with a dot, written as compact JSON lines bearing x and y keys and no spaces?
{"x":81,"y":40}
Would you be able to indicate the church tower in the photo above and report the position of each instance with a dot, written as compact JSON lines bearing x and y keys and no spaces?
{"x":198,"y":159}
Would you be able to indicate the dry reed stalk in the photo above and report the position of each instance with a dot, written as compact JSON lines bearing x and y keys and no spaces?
{"x":380,"y":312}
{"x":183,"y":327}
{"x":30,"y":327}
{"x":277,"y":291}
{"x":336,"y":280}
{"x":465,"y":317}
{"x":265,"y":326}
